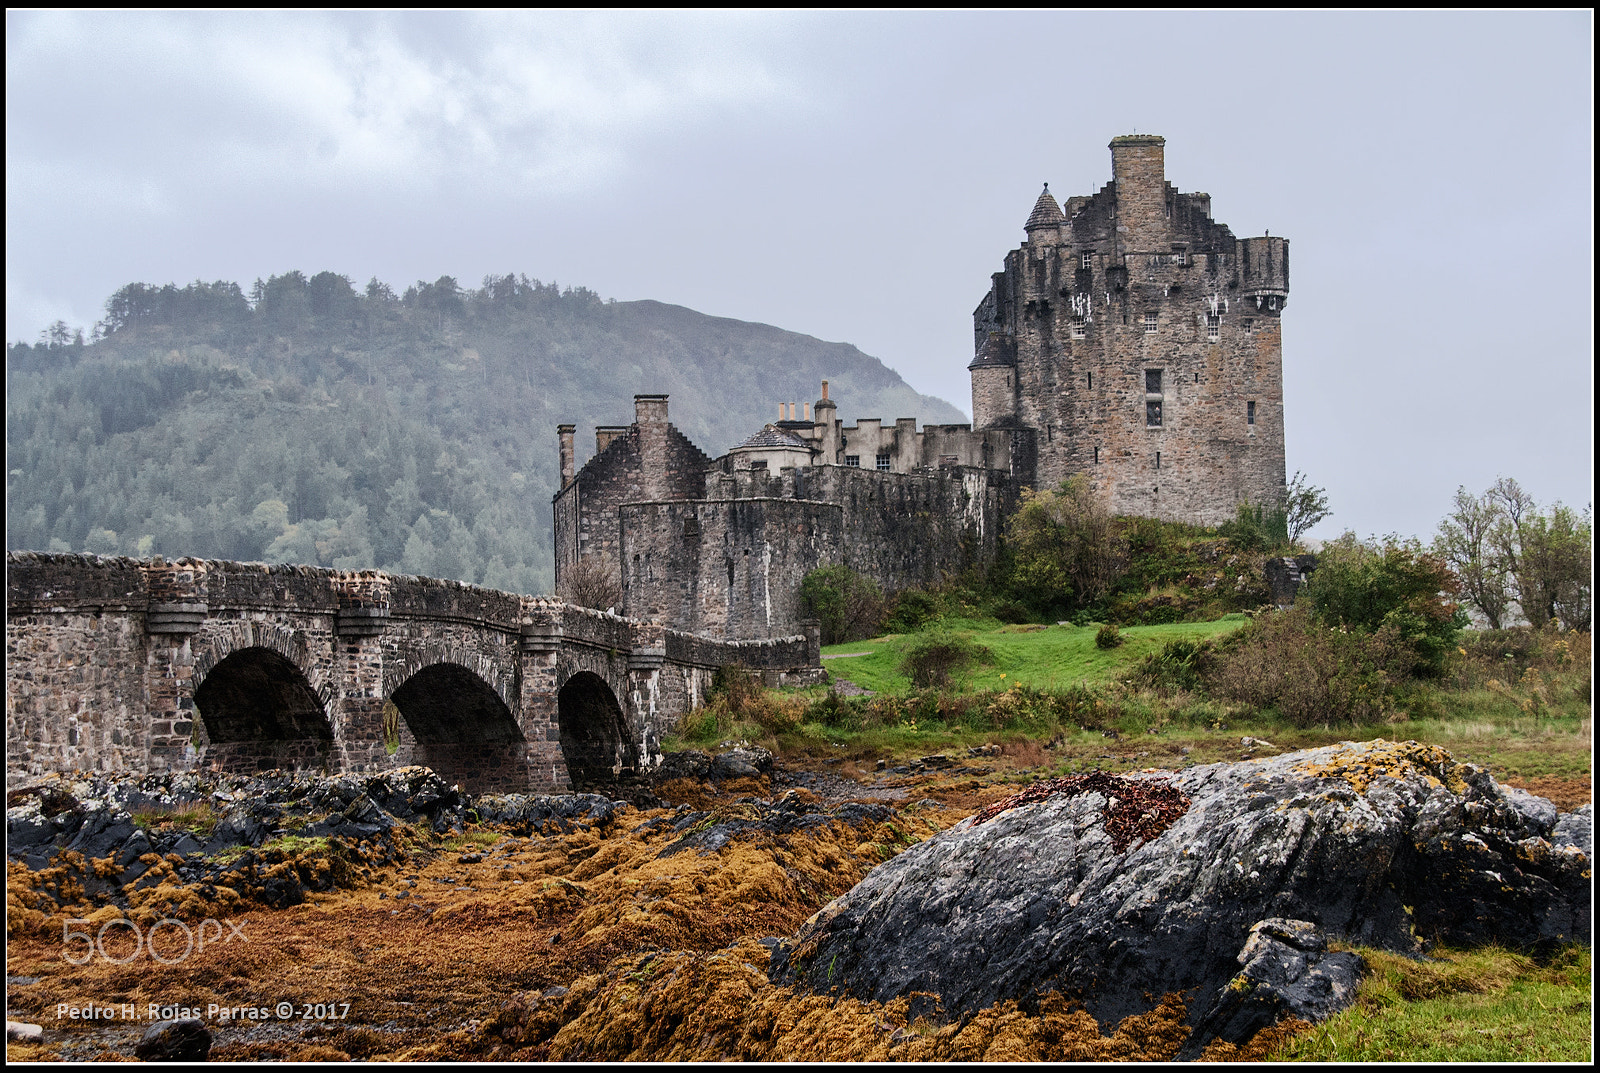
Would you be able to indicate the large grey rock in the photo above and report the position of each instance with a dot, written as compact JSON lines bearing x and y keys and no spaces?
{"x":1375,"y":843}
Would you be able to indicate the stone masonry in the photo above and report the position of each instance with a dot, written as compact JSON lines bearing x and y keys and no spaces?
{"x":1141,"y":344}
{"x":116,"y":664}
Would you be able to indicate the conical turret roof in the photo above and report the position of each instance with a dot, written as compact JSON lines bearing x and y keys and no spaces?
{"x":1046,"y":213}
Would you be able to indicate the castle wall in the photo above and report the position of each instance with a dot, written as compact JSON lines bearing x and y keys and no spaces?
{"x":732,"y":566}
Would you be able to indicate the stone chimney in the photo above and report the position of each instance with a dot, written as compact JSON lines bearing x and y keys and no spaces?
{"x":1138,"y":166}
{"x":569,"y":470}
{"x":650,"y":418}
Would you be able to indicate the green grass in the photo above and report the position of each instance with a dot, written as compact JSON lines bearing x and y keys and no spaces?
{"x":1041,"y":657}
{"x":1485,"y":1005}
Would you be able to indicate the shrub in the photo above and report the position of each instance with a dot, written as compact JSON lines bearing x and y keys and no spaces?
{"x":589,"y":584}
{"x":913,"y":609}
{"x":1182,"y":664}
{"x":1011,"y":612}
{"x":1108,"y":636}
{"x":1313,"y":674}
{"x":849,"y":605}
{"x":1065,"y":548}
{"x":1256,"y":528}
{"x":1392,"y":584}
{"x":931,"y":661}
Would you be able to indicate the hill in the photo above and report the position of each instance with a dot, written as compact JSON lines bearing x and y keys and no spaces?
{"x":311,"y":422}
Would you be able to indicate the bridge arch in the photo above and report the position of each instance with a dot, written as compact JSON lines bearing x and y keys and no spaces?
{"x":258,"y":710}
{"x":596,"y":738}
{"x":460,"y":725}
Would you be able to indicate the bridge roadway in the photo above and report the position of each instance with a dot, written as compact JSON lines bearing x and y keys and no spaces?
{"x":118,"y":664}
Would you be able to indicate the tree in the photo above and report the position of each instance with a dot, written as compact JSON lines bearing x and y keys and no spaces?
{"x":587,"y":583}
{"x":1510,"y":556}
{"x":1304,"y":505}
{"x":1467,"y":541}
{"x":1065,"y":547}
{"x":1554,"y":580}
{"x":1392,"y":585}
{"x":848,"y":605}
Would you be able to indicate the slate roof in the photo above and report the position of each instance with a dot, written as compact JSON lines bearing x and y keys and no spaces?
{"x":773,"y":436}
{"x":1046,"y":213}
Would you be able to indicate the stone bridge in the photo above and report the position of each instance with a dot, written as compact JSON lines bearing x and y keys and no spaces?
{"x":116,"y":664}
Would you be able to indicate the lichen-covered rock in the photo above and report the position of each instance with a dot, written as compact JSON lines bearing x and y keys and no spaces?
{"x":175,"y":1041}
{"x":1378,"y":843}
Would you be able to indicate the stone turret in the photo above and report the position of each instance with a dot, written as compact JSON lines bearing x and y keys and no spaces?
{"x":1045,"y":217}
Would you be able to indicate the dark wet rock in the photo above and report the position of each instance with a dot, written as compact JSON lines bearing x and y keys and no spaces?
{"x":175,"y":1041}
{"x":690,"y":764}
{"x":1288,"y":971}
{"x":707,"y":832}
{"x":1377,"y":843}
{"x":744,"y":762}
{"x":1575,"y":829}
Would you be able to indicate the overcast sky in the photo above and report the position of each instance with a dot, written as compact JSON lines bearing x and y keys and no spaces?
{"x":857,"y":177}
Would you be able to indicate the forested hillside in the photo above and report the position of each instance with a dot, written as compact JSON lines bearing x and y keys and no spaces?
{"x":310,"y":422}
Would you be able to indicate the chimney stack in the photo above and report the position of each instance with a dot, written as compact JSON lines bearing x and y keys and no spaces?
{"x":568,"y":464}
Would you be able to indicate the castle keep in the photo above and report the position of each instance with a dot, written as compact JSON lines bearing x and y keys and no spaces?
{"x":1130,"y":340}
{"x":1140,"y":343}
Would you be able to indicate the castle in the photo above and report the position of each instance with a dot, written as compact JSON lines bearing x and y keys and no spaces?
{"x":1130,"y":340}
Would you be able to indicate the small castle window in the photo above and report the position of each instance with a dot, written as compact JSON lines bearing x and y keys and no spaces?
{"x":1158,"y":460}
{"x":759,"y":467}
{"x":1149,"y":324}
{"x":949,"y":460}
{"x":1152,"y":381}
{"x":1249,"y":324}
{"x":1091,"y":380}
{"x":1213,"y":327}
{"x":883,"y":463}
{"x":853,"y":460}
{"x":1078,"y":328}
{"x":1250,"y":413}
{"x":1087,"y":259}
{"x":1097,"y":456}
{"x":1152,"y":414}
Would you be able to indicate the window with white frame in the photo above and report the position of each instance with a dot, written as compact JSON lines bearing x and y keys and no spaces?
{"x":883,"y":463}
{"x":853,"y":460}
{"x":1086,"y":259}
{"x":1149,"y":324}
{"x":1079,"y":328}
{"x":1213,"y":327}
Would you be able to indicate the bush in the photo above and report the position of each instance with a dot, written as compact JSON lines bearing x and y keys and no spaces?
{"x":931,"y":661}
{"x":1392,"y":585}
{"x":1182,"y":664}
{"x":1314,"y":675}
{"x":1012,"y":613}
{"x":589,"y":584}
{"x":913,"y":609}
{"x":1108,"y":636}
{"x":849,"y":605}
{"x":1256,"y":528}
{"x":1065,"y":548}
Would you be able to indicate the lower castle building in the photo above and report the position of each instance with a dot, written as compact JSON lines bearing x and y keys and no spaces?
{"x":719,"y":546}
{"x":1130,"y":340}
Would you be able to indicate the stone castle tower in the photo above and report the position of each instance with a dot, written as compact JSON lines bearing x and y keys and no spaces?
{"x":1140,"y":343}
